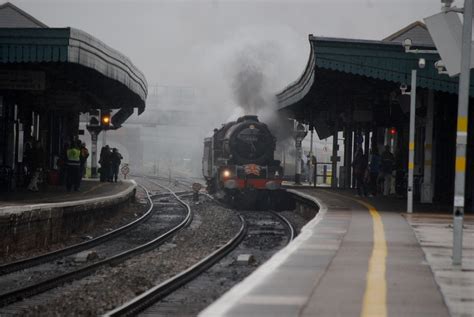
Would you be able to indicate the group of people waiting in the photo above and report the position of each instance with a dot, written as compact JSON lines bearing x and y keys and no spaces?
{"x":373,"y":177}
{"x":71,"y":163}
{"x":109,"y":164}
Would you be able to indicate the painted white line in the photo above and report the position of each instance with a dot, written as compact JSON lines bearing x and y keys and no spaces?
{"x":235,"y":294}
{"x":9,"y":210}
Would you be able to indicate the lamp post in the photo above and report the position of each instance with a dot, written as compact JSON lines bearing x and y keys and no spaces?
{"x":411,"y":144}
{"x":461,"y":135}
{"x":299,"y":134}
{"x":455,"y":50}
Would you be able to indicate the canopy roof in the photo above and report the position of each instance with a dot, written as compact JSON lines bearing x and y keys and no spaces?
{"x":73,"y":64}
{"x":341,"y":70}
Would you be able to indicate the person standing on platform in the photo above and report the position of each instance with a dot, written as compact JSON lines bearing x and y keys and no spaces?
{"x":116,"y":159}
{"x":360,"y":168}
{"x":84,"y":156}
{"x":374,"y":170}
{"x":104,"y":161}
{"x":82,"y":159}
{"x":37,"y":166}
{"x":314,"y":168}
{"x":386,"y":170}
{"x":73,"y":167}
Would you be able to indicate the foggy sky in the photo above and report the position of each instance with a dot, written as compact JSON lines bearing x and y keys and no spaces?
{"x":234,"y":54}
{"x":168,"y":40}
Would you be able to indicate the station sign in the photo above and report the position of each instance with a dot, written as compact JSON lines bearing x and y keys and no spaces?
{"x":125,"y":170}
{"x":22,"y":80}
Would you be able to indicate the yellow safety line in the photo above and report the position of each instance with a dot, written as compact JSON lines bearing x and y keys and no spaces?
{"x":375,"y":296}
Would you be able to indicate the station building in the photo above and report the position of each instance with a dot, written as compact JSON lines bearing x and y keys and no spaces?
{"x":356,"y":88}
{"x":48,"y":76}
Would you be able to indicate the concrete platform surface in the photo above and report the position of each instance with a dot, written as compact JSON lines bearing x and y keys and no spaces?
{"x":359,"y":257}
{"x":58,"y":196}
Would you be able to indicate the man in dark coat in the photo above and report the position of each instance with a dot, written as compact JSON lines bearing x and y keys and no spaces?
{"x":105,"y":168}
{"x":116,"y":159}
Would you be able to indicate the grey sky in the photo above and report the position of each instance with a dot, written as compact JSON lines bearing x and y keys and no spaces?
{"x":175,"y":42}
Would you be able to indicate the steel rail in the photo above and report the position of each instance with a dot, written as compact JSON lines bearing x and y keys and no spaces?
{"x":290,"y":228}
{"x":158,"y":292}
{"x":25,"y":292}
{"x":180,"y":193}
{"x":46,"y":257}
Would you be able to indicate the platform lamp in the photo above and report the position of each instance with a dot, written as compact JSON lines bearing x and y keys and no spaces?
{"x":299,"y":134}
{"x":94,"y":128}
{"x":105,"y":119}
{"x":411,"y":142}
{"x":407,"y":44}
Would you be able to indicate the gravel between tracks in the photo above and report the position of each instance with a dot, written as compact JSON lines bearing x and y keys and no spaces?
{"x":111,"y":286}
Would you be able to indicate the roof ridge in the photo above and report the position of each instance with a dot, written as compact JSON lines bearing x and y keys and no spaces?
{"x":404,"y":30}
{"x":23,"y":13}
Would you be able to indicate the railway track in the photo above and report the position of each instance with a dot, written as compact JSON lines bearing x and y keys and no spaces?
{"x":187,"y":252}
{"x":160,"y":291}
{"x":170,"y":298}
{"x":37,"y":260}
{"x":17,"y":294}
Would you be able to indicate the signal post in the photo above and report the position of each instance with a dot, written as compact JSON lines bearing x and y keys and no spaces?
{"x":95,"y":127}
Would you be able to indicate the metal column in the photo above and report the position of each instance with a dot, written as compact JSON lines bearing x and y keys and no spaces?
{"x":298,"y":163}
{"x":349,"y":157}
{"x":334,"y":156}
{"x":104,"y":137}
{"x":312,"y":168}
{"x":93,"y":154}
{"x":427,"y":187}
{"x":367,"y":142}
{"x":461,"y":139}
{"x":300,"y":132}
{"x":411,"y":144}
{"x":347,"y":161}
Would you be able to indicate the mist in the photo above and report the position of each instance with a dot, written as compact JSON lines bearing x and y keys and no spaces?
{"x":209,"y":62}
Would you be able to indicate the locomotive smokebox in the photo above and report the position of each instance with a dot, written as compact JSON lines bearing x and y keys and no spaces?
{"x":249,"y":141}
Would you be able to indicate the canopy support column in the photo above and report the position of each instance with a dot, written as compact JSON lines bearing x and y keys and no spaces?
{"x":334,"y":156}
{"x":427,"y":187}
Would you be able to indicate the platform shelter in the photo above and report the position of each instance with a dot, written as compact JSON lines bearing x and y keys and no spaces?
{"x":354,"y":87}
{"x":48,"y":76}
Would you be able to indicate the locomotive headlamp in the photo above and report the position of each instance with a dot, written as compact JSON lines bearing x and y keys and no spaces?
{"x":226,"y":173}
{"x":251,"y":126}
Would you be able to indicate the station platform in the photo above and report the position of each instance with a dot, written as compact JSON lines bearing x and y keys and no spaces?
{"x":361,"y":257}
{"x":36,"y":219}
{"x":23,"y":199}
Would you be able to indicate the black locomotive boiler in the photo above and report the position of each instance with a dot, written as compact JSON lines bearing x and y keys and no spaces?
{"x":239,"y":164}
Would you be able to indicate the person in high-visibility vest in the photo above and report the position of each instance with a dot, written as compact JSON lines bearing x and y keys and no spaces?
{"x":73,"y":166}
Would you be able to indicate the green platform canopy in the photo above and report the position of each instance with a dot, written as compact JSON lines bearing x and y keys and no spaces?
{"x":341,"y":70}
{"x":71,"y":68}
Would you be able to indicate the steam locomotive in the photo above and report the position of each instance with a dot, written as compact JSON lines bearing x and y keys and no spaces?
{"x":238,"y":163}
